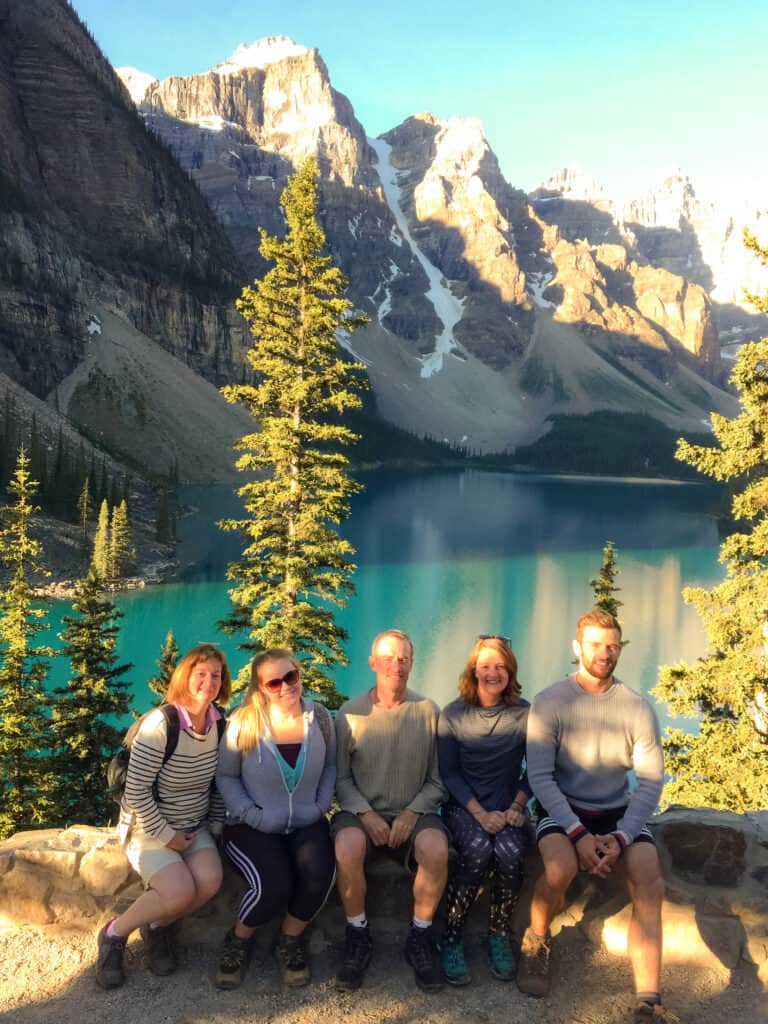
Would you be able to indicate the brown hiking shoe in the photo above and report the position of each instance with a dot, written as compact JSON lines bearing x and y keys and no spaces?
{"x":160,"y":952}
{"x":109,"y":966}
{"x":533,"y":971}
{"x":291,"y":955}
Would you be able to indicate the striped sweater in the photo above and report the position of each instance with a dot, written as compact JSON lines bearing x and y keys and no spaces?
{"x":183,"y":799}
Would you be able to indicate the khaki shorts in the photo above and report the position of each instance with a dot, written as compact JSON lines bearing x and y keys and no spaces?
{"x":148,"y":855}
{"x":403,"y":854}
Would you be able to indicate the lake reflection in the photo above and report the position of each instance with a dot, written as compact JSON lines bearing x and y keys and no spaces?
{"x":448,"y":555}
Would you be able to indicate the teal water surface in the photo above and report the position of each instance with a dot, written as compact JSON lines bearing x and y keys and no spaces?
{"x":448,"y":555}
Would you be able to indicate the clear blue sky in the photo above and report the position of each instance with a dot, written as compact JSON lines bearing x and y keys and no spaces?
{"x":623,"y":88}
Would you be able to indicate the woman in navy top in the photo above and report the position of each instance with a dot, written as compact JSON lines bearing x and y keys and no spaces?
{"x":481,"y":746}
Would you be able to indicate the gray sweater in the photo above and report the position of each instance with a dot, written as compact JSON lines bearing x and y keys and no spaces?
{"x":581,"y":747}
{"x":387,"y":757}
{"x":253,"y":786}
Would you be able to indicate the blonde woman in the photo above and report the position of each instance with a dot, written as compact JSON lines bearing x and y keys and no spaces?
{"x":277,"y":770}
{"x":168,"y":814}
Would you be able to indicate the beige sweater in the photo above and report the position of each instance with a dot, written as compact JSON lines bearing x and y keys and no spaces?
{"x":387,"y":757}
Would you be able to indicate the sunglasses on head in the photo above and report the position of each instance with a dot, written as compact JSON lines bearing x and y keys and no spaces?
{"x":494,"y":636}
{"x":290,"y":679}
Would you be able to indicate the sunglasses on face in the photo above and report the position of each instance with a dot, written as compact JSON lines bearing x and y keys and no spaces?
{"x":290,"y":679}
{"x":494,"y":636}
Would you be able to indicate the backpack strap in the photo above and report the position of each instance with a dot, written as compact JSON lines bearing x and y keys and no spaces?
{"x":172,"y":726}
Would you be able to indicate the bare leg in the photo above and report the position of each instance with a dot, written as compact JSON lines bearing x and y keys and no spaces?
{"x":644,"y":939}
{"x":174,"y":891}
{"x":431,"y":852}
{"x":560,"y":867}
{"x":350,"y":846}
{"x":171,"y":891}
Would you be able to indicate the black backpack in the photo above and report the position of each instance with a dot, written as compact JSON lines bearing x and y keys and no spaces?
{"x":117,"y":769}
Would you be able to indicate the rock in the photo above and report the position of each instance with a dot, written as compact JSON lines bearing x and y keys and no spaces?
{"x":716,"y":854}
{"x":77,"y":908}
{"x":24,"y":893}
{"x":55,"y":862}
{"x":105,"y":869}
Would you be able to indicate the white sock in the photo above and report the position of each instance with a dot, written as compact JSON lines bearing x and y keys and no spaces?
{"x":419,"y":922}
{"x":358,"y":921}
{"x":154,"y":925}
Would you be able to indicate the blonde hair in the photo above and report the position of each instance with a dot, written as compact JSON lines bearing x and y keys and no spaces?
{"x":251,"y":716}
{"x":178,"y":687}
{"x":398,"y":634}
{"x":468,"y":678}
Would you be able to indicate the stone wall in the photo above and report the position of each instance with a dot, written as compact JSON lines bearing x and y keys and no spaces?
{"x":715,"y":866}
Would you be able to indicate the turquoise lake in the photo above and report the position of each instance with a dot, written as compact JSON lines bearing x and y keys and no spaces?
{"x":446,"y":555}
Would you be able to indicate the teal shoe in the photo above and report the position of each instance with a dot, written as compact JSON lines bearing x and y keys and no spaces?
{"x":502,"y":957}
{"x":454,"y":965}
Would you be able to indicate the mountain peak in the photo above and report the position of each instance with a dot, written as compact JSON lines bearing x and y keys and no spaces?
{"x":259,"y":54}
{"x":136,"y":82}
{"x":573,"y":182}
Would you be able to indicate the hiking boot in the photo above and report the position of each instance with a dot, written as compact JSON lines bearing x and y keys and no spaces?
{"x":109,"y":964}
{"x":357,"y":956}
{"x":646,"y":1012}
{"x":533,"y":970}
{"x":421,"y":953}
{"x":160,"y":951}
{"x":233,"y":962}
{"x":502,"y":956}
{"x":291,"y":954}
{"x":454,"y":965}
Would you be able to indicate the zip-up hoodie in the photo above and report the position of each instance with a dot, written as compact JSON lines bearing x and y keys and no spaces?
{"x":253,"y":786}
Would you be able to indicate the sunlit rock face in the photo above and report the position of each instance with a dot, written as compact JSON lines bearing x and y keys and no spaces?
{"x":490,"y":309}
{"x":670,"y":226}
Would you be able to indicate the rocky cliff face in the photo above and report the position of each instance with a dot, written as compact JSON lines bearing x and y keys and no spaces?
{"x":93,"y":208}
{"x":490,"y":311}
{"x":462,"y":277}
{"x":667,"y":226}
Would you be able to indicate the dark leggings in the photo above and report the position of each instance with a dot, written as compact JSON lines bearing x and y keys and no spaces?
{"x":292,"y":873}
{"x":478,"y":851}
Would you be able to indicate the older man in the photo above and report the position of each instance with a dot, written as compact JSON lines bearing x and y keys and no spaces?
{"x":389,"y":792}
{"x":584,"y":735}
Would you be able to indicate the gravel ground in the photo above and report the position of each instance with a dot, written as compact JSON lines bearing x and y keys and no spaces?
{"x":47,"y":977}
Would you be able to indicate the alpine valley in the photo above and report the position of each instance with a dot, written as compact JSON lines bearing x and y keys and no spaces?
{"x":130,"y":211}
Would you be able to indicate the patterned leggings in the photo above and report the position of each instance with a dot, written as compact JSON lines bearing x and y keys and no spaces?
{"x":478,"y":851}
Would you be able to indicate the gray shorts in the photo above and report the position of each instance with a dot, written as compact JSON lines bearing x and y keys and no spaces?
{"x":148,"y":855}
{"x":403,"y":854}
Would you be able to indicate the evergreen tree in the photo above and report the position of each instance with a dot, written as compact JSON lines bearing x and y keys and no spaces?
{"x":725,"y":763}
{"x":100,"y":559}
{"x":26,"y":779}
{"x":295,"y":565}
{"x":84,"y":709}
{"x":121,"y":553}
{"x":603,"y":584}
{"x":84,"y":512}
{"x":166,"y":663}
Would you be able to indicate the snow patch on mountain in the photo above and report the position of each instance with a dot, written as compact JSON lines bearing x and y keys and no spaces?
{"x":538,"y":284}
{"x":260,"y":54}
{"x":136,"y":82}
{"x":447,"y":307}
